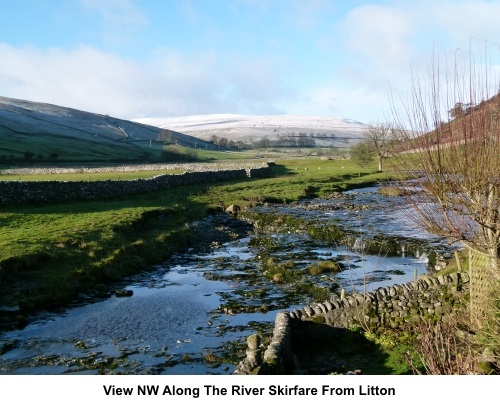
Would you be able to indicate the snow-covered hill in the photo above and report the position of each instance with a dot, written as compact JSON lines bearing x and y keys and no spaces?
{"x":327,"y":131}
{"x":30,"y":123}
{"x":28,"y":118}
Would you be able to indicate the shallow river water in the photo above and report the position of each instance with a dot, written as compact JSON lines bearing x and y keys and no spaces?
{"x":192,"y":314}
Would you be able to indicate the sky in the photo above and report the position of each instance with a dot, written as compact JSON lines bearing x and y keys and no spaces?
{"x":168,"y":58}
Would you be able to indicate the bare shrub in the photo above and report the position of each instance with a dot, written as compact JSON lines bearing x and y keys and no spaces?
{"x":455,"y":164}
{"x":443,"y":348}
{"x":488,"y":337}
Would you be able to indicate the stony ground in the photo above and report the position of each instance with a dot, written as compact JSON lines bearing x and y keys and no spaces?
{"x":214,"y":230}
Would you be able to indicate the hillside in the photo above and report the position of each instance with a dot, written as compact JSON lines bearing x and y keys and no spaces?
{"x":40,"y":131}
{"x":326,"y":131}
{"x":471,"y":126}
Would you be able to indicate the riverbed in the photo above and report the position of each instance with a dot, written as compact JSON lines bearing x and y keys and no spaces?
{"x":192,"y":314}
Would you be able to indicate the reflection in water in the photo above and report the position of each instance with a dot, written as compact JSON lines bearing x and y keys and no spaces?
{"x":178,"y":322}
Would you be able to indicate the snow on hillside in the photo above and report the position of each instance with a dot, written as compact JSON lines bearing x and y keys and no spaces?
{"x":23,"y":117}
{"x":250,"y":127}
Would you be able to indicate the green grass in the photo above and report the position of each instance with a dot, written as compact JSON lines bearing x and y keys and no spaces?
{"x":60,"y":249}
{"x":393,"y":350}
{"x":68,"y":149}
{"x":223,"y":155}
{"x":87,"y":176}
{"x":64,"y":248}
{"x":57,"y":251}
{"x":453,"y":266}
{"x":62,"y":150}
{"x":306,"y":178}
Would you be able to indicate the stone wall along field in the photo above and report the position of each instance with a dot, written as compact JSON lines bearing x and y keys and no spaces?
{"x":19,"y":192}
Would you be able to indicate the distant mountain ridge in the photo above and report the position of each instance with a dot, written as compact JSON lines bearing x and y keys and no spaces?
{"x":326,"y":130}
{"x":35,"y":133}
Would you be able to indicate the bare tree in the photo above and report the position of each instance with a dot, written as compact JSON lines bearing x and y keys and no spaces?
{"x":362,"y":153}
{"x":456,"y":164}
{"x":457,"y":111}
{"x":165,"y":135}
{"x":381,"y":136}
{"x":214,"y":139}
{"x":223,"y":142}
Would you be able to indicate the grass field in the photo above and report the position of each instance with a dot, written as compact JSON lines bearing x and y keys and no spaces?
{"x":86,"y":176}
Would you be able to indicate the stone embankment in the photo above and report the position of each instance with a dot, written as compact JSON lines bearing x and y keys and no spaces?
{"x":385,"y":307}
{"x":18,"y":192}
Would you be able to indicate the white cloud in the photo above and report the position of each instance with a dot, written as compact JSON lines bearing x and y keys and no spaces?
{"x":379,"y":34}
{"x":168,"y":84}
{"x":406,"y":33}
{"x":373,"y":47}
{"x":466,"y":19}
{"x":83,"y":78}
{"x":388,"y":43}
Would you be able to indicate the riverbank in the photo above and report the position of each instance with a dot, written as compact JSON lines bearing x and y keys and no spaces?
{"x":192,"y":313}
{"x":54,"y":254}
{"x":325,"y":337}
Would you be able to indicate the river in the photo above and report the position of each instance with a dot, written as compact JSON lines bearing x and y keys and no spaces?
{"x":192,"y":314}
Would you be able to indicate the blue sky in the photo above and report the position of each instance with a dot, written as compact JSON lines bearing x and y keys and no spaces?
{"x":135,"y":59}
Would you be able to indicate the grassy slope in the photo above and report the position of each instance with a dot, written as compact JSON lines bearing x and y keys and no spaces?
{"x":13,"y":147}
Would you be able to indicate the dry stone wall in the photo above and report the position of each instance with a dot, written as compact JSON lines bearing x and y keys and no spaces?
{"x":187,"y":167}
{"x":19,"y":192}
{"x":385,"y":307}
{"x":392,"y":306}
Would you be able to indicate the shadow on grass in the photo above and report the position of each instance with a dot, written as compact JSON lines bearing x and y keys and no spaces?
{"x":323,"y":349}
{"x":92,"y":250}
{"x":280,"y":170}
